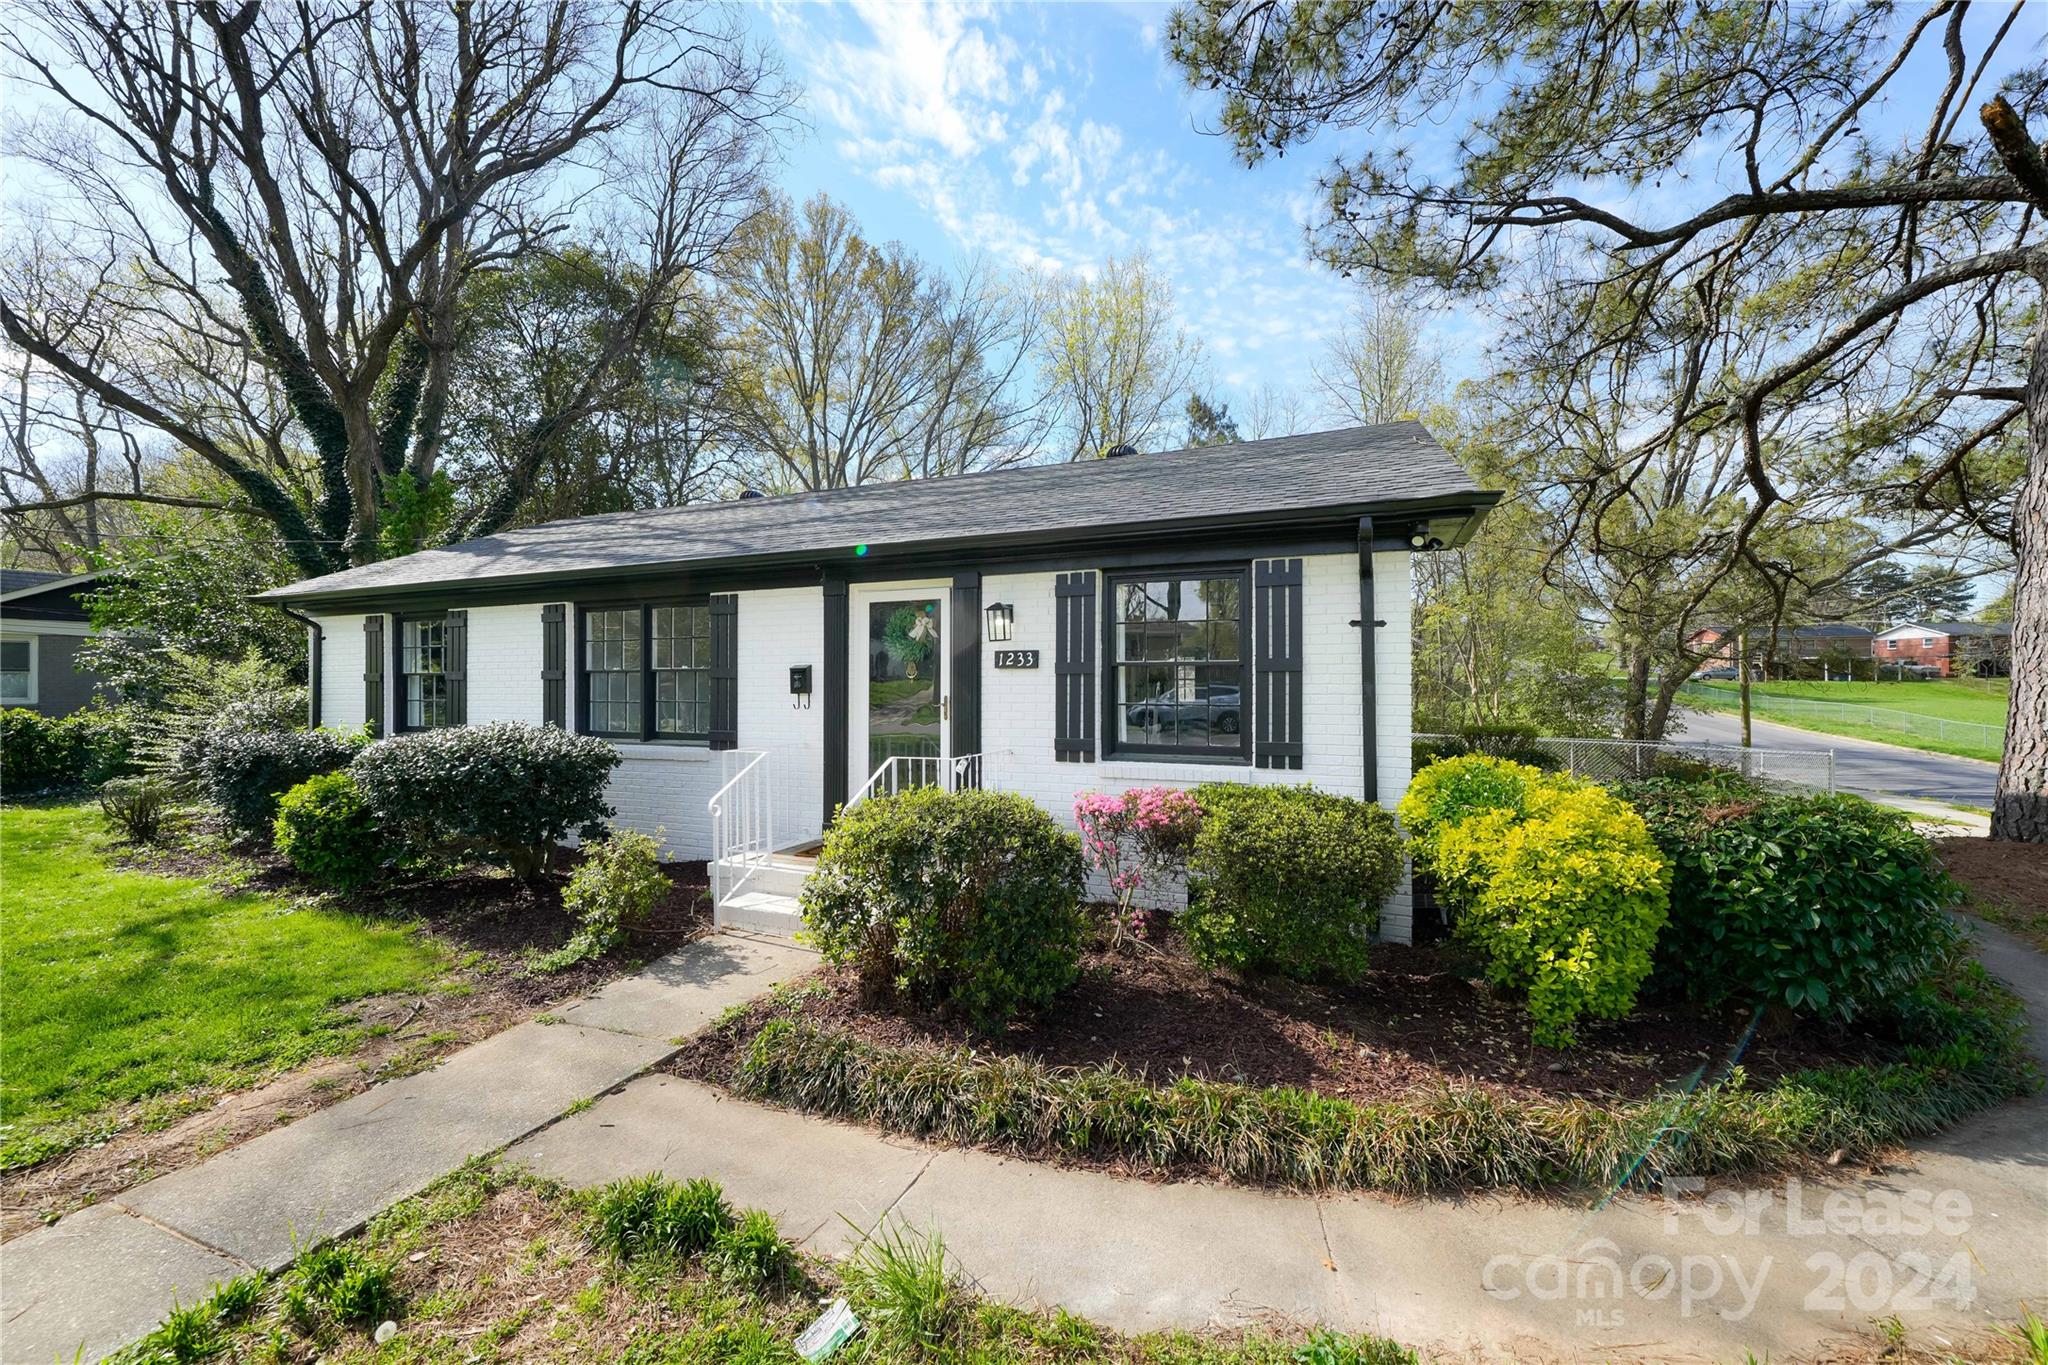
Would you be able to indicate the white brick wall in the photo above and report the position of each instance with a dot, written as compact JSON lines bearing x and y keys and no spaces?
{"x":778,"y":630}
{"x":668,"y":786}
{"x":656,"y":786}
{"x":341,"y":671}
{"x":1017,"y":704}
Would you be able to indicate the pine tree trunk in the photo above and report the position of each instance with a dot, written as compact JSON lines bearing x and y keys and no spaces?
{"x":2020,"y":810}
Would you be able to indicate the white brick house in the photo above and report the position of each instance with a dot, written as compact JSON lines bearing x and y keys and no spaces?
{"x":1169,"y":618}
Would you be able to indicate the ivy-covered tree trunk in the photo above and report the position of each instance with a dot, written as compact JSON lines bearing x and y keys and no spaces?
{"x":2020,"y":810}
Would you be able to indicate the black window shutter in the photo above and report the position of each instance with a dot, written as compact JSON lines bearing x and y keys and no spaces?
{"x":725,"y":672}
{"x":1073,"y":734}
{"x":1276,"y":662}
{"x":554,"y":670}
{"x":455,"y":663}
{"x":373,"y":673}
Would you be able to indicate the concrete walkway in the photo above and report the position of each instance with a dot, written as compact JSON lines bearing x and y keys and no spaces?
{"x":1952,"y":1240}
{"x":107,"y":1274}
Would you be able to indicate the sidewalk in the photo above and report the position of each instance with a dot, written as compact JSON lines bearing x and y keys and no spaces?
{"x":1951,"y":1240}
{"x":107,"y":1274}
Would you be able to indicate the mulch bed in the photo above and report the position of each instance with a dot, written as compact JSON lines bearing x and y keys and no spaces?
{"x":2007,"y":882}
{"x":1420,"y":1018}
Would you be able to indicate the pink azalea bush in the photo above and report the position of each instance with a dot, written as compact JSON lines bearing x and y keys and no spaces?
{"x":1138,"y":838}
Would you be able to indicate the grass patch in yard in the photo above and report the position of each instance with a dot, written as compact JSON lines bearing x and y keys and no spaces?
{"x":123,"y":986}
{"x":1969,"y":702}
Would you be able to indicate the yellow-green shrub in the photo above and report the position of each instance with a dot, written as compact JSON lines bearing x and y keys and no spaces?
{"x":1564,"y":901}
{"x":1454,"y":789}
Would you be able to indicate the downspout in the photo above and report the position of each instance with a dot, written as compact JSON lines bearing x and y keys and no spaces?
{"x":1368,"y":663}
{"x":312,"y":662}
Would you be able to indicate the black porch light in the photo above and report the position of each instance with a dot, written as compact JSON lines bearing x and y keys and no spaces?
{"x":1001,"y":618}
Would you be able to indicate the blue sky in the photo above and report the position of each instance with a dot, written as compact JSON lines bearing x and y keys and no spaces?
{"x":1053,"y":137}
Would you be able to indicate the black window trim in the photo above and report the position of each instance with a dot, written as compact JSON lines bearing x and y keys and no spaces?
{"x":646,"y":607}
{"x":1110,"y":747}
{"x":396,"y":686}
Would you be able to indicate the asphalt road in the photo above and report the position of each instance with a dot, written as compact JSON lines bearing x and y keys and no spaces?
{"x":1862,"y":765}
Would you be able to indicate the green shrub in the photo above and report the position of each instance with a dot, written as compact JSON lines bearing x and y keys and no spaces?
{"x":1564,"y":902}
{"x":139,"y":807}
{"x":966,"y":900}
{"x":1824,"y":904}
{"x":1288,"y":880}
{"x":751,"y":1253}
{"x":503,"y":793}
{"x":325,"y":830}
{"x":1962,"y":1050}
{"x":653,"y":1215}
{"x":617,"y":885}
{"x":246,"y":772}
{"x":39,"y":752}
{"x":1450,"y":790}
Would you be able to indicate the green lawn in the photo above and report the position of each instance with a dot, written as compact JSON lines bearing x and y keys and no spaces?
{"x":125,"y":986}
{"x":1952,"y":700}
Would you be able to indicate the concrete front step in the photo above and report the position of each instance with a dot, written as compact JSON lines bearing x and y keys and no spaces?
{"x":782,"y":875}
{"x":763,"y":912}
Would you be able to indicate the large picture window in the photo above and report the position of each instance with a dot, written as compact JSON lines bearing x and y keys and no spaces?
{"x":423,"y":673}
{"x":647,"y":671}
{"x":1177,"y":652}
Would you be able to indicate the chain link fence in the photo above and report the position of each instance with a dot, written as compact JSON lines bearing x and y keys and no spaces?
{"x":1624,"y":760}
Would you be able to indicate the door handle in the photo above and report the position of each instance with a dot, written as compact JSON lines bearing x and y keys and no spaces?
{"x":946,"y":707}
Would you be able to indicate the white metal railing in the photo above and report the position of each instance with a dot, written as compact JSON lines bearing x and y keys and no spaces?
{"x":905,"y":772}
{"x":742,"y":826}
{"x":1621,"y":760}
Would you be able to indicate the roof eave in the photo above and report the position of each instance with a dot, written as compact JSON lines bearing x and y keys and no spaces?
{"x":1469,"y":508}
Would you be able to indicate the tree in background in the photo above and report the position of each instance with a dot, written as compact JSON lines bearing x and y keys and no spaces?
{"x":530,"y":334}
{"x":1113,"y":356}
{"x":1276,"y":412}
{"x":1852,"y":296}
{"x":1209,"y":424}
{"x":850,"y":361}
{"x":314,"y":189}
{"x":1889,"y":594}
{"x":1381,"y":366}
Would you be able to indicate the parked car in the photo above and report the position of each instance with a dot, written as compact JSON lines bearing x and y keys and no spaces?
{"x":1721,"y":674}
{"x":1192,"y":714}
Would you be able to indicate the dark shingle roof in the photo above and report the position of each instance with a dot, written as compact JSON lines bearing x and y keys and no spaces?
{"x":1386,"y":466}
{"x":1965,"y":627}
{"x":15,"y":580}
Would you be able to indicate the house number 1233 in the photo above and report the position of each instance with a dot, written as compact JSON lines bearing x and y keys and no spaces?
{"x":1016,"y":658}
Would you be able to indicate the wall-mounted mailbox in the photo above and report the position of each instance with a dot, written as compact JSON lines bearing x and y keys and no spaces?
{"x":800,"y":680}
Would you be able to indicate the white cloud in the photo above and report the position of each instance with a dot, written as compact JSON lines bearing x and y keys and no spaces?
{"x":930,"y":72}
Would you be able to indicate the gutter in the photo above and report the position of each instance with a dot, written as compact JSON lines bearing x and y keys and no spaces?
{"x":312,"y":659}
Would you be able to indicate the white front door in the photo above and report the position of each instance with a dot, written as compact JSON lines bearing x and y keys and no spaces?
{"x":900,"y":680}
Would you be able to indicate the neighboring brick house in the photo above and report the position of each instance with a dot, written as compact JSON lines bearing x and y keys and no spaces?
{"x":1832,"y":643}
{"x":1235,"y":612}
{"x":43,"y":622}
{"x":1960,"y":649}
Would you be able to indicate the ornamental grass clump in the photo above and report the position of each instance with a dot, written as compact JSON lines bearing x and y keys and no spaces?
{"x":1960,"y":1051}
{"x":1137,"y":839}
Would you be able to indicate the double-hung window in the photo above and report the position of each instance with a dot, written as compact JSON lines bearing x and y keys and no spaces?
{"x":18,"y":671}
{"x":1178,"y":650}
{"x":424,"y":699}
{"x":647,"y":671}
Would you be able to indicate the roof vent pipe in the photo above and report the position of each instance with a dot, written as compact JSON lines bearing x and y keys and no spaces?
{"x":746,"y":493}
{"x":1117,"y":452}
